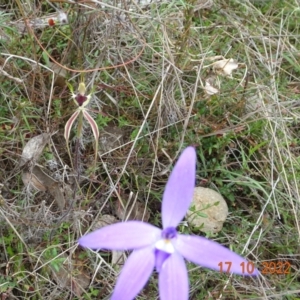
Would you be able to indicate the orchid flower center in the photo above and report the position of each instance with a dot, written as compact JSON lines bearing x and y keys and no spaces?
{"x":165,"y":243}
{"x":80,"y":99}
{"x":169,"y":233}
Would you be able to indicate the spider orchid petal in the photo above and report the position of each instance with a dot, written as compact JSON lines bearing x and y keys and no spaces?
{"x":70,"y":123}
{"x":93,"y":125}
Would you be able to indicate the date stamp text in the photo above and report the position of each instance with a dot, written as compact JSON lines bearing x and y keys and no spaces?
{"x":247,"y":268}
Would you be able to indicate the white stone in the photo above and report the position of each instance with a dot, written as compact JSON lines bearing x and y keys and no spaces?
{"x":211,"y":204}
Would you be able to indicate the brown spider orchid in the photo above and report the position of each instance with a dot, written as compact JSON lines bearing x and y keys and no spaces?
{"x":81,"y":100}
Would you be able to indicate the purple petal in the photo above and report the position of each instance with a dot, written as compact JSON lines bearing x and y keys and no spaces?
{"x":160,"y":257}
{"x":122,"y":236}
{"x":209,"y":254}
{"x":134,"y":274}
{"x":179,"y":189}
{"x":173,"y":279}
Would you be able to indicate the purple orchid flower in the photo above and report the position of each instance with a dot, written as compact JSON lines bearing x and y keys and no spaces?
{"x":164,"y":249}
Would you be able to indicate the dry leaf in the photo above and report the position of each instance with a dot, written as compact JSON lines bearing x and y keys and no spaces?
{"x":58,"y":195}
{"x":225,"y":66}
{"x":34,"y":148}
{"x":209,"y":210}
{"x":209,"y":89}
{"x":29,"y":179}
{"x":42,"y":182}
{"x":212,"y":85}
{"x":103,"y":221}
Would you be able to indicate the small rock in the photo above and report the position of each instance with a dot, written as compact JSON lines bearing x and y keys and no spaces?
{"x":103,"y":221}
{"x":208,"y":210}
